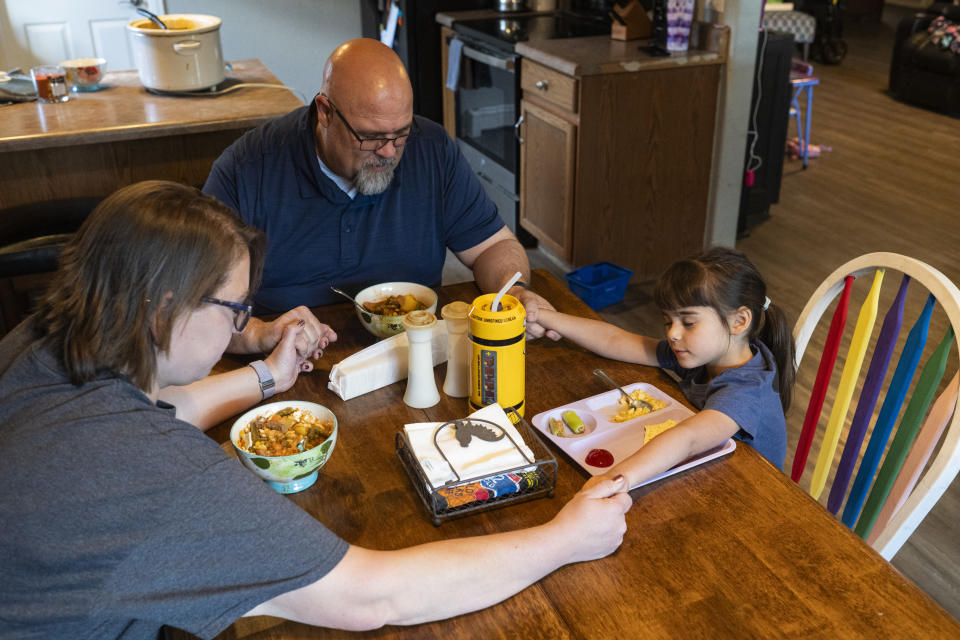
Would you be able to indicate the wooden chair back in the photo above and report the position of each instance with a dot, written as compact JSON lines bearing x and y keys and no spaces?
{"x":885,"y":502}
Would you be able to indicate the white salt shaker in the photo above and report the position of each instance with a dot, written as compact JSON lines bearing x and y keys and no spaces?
{"x":421,"y":385}
{"x":457,"y":382}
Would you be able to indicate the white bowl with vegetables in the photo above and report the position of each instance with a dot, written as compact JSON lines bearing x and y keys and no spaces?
{"x":285,"y":443}
{"x":384,"y":305}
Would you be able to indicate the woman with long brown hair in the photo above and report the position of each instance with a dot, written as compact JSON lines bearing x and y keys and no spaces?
{"x":116,"y":510}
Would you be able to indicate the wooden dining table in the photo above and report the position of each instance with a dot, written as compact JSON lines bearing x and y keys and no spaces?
{"x":729,"y":549}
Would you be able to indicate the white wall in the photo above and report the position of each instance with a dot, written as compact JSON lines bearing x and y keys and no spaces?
{"x":743,"y":18}
{"x":291,"y":37}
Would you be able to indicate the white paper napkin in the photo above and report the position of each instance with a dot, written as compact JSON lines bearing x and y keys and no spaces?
{"x":480,"y":458}
{"x":381,"y":364}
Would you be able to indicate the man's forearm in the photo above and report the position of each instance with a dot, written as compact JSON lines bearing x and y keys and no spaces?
{"x":498,"y":263}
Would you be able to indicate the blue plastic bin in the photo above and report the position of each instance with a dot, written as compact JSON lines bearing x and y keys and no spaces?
{"x":600,"y":284}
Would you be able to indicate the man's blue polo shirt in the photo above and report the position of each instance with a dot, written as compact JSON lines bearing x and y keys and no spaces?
{"x":317,"y":236}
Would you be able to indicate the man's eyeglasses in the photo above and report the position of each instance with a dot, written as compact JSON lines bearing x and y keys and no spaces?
{"x":241,"y":311}
{"x":374,"y":144}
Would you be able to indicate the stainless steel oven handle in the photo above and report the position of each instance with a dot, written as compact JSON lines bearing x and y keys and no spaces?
{"x":486,"y":58}
{"x":516,"y":129}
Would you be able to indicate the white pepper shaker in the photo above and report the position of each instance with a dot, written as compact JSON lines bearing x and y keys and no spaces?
{"x":457,"y":382}
{"x":421,"y":385}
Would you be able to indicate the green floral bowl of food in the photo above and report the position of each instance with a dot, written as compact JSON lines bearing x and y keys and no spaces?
{"x":285,"y":443}
{"x":386,"y":304}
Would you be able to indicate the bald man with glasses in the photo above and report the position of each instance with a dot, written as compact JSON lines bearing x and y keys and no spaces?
{"x":339,"y":208}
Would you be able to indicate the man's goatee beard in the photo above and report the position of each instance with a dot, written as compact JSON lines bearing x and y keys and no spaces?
{"x":370,"y":182}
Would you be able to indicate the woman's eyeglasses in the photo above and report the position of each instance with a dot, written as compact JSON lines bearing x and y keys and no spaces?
{"x":241,"y":311}
{"x":374,"y":144}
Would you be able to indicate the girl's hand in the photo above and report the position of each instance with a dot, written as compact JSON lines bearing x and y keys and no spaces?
{"x":532,"y":305}
{"x":603,"y":478}
{"x":286,"y":362}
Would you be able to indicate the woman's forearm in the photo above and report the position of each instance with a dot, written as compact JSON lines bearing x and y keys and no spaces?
{"x":210,"y":401}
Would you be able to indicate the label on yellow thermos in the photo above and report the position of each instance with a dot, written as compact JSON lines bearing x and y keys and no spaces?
{"x":497,"y":367}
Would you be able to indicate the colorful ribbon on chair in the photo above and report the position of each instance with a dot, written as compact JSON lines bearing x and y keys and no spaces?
{"x":882,"y":353}
{"x":909,"y":425}
{"x":920,"y":453}
{"x":896,"y":392}
{"x":824,"y":372}
{"x":848,"y":379}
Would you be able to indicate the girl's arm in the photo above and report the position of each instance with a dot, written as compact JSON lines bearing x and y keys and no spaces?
{"x":602,"y":338}
{"x":693,"y":436}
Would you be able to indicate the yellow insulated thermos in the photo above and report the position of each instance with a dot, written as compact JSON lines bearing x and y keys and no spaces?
{"x":497,"y":368}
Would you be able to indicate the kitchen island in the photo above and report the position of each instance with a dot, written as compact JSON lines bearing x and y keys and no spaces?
{"x":98,"y":142}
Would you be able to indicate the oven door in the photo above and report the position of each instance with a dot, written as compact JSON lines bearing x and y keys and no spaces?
{"x":486,"y":103}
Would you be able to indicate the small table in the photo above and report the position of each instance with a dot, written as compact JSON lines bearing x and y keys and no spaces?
{"x":730,"y":549}
{"x":803,"y":85}
{"x":98,"y":142}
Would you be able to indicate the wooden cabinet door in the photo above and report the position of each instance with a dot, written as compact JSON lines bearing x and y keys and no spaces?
{"x":547,"y":173}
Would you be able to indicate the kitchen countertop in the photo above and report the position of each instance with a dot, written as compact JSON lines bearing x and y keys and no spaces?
{"x":601,"y":54}
{"x":594,"y":55}
{"x":447,"y":18}
{"x":125,"y":110}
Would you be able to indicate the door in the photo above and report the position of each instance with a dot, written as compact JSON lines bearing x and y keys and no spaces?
{"x":36,"y":32}
{"x":547,"y":173}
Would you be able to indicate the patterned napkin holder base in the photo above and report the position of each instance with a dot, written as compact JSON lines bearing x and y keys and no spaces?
{"x":458,"y":498}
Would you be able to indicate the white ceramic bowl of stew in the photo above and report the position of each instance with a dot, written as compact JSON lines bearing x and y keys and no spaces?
{"x":384,"y":326}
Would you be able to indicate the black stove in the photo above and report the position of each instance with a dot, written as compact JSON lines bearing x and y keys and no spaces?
{"x":505,"y":31}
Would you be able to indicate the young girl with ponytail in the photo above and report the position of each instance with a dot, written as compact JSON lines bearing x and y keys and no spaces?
{"x":731,"y":347}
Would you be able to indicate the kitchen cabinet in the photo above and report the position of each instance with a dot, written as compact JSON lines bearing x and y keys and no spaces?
{"x":547,"y":168}
{"x":617,"y":150}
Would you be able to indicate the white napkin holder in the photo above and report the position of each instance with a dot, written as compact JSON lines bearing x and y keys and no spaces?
{"x":437,"y":464}
{"x":381,"y":364}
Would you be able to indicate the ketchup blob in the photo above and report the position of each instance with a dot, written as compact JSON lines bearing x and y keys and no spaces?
{"x":599,"y":458}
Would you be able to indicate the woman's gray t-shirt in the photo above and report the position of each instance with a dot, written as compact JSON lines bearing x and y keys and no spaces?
{"x":118,"y":518}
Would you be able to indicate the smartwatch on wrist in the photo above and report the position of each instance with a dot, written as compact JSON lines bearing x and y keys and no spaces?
{"x":267,"y":386}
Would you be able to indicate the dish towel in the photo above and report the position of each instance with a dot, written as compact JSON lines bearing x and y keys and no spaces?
{"x":381,"y":364}
{"x":479,"y":458}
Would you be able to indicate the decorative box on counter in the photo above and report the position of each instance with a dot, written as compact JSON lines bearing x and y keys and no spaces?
{"x":451,"y":481}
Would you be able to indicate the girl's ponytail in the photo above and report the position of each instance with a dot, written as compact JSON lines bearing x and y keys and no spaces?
{"x":775,"y":332}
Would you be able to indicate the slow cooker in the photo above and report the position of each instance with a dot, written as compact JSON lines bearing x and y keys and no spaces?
{"x":186,"y":56}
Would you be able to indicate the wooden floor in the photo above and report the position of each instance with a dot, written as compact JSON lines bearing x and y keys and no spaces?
{"x":888,"y":184}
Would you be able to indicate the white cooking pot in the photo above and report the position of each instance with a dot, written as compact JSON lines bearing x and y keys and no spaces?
{"x":184,"y":57}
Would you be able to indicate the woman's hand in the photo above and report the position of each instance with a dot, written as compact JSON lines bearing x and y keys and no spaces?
{"x":311,"y":341}
{"x":607,"y":477}
{"x":593,"y":521}
{"x":286,"y":362}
